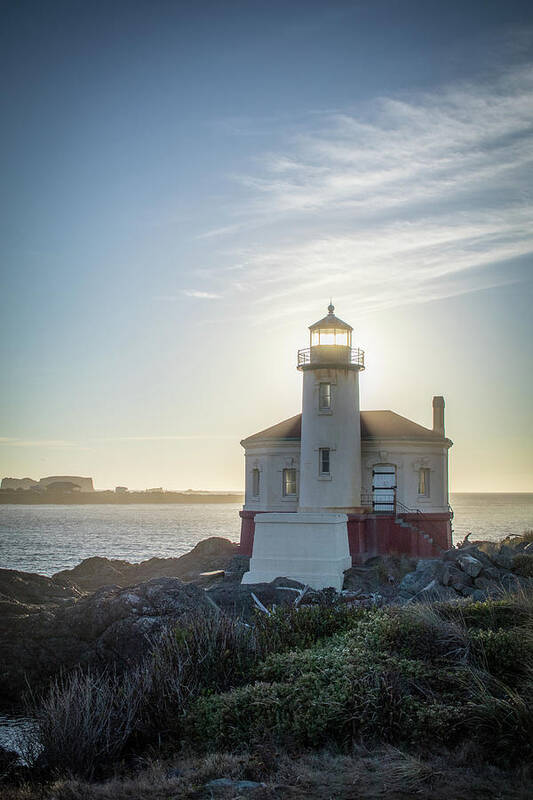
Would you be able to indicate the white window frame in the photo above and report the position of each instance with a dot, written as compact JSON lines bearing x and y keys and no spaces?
{"x":285,"y":482}
{"x":321,"y":452}
{"x":328,"y":406}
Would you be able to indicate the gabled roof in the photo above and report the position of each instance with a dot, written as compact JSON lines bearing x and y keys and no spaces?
{"x":374,"y":425}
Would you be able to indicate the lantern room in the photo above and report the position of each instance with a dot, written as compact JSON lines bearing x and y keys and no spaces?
{"x":330,"y":344}
{"x":330,"y":331}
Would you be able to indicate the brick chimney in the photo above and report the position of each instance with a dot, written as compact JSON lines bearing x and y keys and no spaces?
{"x":438,"y":415}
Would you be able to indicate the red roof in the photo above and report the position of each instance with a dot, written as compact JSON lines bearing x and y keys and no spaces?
{"x":374,"y":425}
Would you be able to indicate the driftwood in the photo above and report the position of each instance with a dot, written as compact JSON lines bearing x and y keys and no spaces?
{"x":260,"y":605}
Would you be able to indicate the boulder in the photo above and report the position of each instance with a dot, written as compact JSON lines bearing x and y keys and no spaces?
{"x":113,"y":626}
{"x":427,"y":569}
{"x":472,"y":566}
{"x":454,"y":577}
{"x":236,"y":568}
{"x":31,"y":589}
{"x":209,"y":555}
{"x":487,"y":585}
{"x":435,"y":591}
{"x":236,"y":599}
{"x":504,"y":558}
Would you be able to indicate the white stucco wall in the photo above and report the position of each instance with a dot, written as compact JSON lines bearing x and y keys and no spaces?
{"x":339,"y":430}
{"x":271,"y":459}
{"x":407,"y":457}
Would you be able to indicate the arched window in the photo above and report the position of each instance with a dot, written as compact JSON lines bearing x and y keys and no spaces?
{"x":423,"y":481}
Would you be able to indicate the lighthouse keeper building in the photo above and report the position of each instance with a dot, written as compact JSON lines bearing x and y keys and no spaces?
{"x":338,"y":485}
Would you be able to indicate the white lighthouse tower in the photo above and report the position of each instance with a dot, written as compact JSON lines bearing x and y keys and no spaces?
{"x":330,"y":461}
{"x":311,"y":544}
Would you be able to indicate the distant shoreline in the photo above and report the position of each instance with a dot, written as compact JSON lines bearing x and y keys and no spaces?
{"x":13,"y":497}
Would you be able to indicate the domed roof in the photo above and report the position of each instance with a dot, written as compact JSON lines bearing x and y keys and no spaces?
{"x":330,"y":321}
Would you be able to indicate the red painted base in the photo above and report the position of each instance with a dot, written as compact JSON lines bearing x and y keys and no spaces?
{"x":379,"y":534}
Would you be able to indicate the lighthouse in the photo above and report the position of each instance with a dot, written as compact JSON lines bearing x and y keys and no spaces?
{"x":330,"y":461}
{"x":311,"y":544}
{"x":334,"y":485}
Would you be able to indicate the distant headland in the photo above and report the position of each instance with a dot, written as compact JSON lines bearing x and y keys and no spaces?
{"x":75,"y":490}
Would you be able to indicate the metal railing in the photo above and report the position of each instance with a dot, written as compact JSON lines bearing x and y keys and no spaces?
{"x":331,"y":354}
{"x":422,"y":522}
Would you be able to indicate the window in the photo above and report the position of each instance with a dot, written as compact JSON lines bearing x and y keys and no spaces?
{"x":324,"y":397}
{"x":289,"y":482}
{"x":324,"y":461}
{"x":423,"y":481}
{"x":255,"y":482}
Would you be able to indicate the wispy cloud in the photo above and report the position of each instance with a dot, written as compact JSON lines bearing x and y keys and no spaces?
{"x":169,"y":438}
{"x":89,"y":444}
{"x":53,"y":443}
{"x":407,"y":200}
{"x":200,"y":295}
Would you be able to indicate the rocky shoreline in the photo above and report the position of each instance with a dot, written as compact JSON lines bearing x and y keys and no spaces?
{"x":107,"y":611}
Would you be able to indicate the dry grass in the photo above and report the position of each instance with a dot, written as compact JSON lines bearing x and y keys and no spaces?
{"x":387,"y":773}
{"x":88,"y":721}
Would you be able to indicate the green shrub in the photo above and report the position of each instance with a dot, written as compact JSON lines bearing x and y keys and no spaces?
{"x":307,"y":712}
{"x":416,"y":632}
{"x":488,"y":614}
{"x":505,"y":654}
{"x":331,"y":700}
{"x":289,"y":627}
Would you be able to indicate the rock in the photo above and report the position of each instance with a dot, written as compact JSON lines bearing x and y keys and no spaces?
{"x":434,"y":591}
{"x":236,"y":568}
{"x":31,"y":589}
{"x":492,"y":572}
{"x":427,"y":570}
{"x":451,"y":555}
{"x":487,"y":585}
{"x":112,"y":626}
{"x":381,"y":574}
{"x":510,"y":582}
{"x":504,"y":558}
{"x":528,"y":548}
{"x":454,"y":577}
{"x":236,"y":599}
{"x":490,"y":549}
{"x":472,"y":566}
{"x":209,"y":555}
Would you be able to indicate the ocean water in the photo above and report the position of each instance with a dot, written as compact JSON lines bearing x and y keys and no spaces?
{"x":49,"y":538}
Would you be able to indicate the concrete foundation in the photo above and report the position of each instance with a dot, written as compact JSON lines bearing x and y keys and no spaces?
{"x":308,"y":547}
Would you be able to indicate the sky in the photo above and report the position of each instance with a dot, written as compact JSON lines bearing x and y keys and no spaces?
{"x":186,"y":184}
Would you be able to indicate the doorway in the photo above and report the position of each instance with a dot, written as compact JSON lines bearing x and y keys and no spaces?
{"x":384,"y":488}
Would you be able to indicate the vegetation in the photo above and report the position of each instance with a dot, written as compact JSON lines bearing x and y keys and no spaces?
{"x":415,"y":677}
